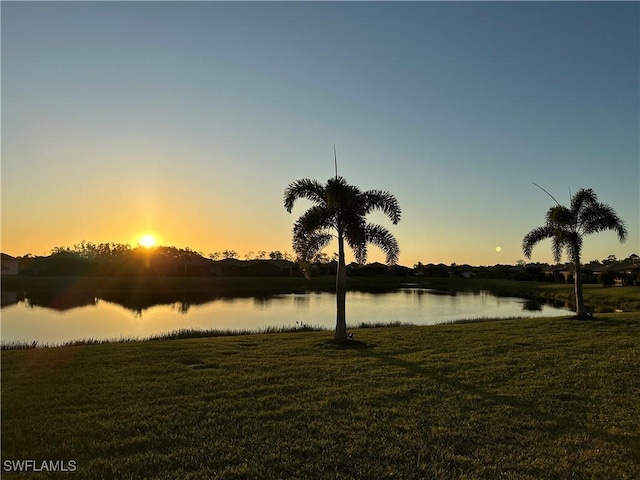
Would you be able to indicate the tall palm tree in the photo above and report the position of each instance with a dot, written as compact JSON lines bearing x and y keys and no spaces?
{"x":339,"y":211}
{"x":566,"y":226}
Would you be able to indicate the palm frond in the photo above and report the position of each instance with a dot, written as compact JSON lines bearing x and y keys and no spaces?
{"x":303,"y":188}
{"x":355,"y":234}
{"x":573,"y":244}
{"x":339,"y":194}
{"x":307,"y":244}
{"x":581,"y":200}
{"x":557,"y":245}
{"x":535,"y":236}
{"x":599,"y":217}
{"x":383,"y":239}
{"x":383,"y":201}
{"x":360,"y":251}
{"x":315,"y":218}
{"x":560,"y":216}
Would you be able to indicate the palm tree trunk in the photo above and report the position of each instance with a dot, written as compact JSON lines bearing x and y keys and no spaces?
{"x":341,"y":293}
{"x":581,"y":312}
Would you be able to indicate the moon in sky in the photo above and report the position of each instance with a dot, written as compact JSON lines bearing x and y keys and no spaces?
{"x":498,"y":248}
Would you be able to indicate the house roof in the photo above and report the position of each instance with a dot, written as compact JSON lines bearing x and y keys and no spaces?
{"x":230,"y":261}
{"x":558,"y":268}
{"x":281,"y":263}
{"x":247,"y":263}
{"x":629,"y":267}
{"x":199,"y":261}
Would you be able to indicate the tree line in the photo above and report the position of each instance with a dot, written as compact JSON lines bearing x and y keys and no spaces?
{"x":119,"y":259}
{"x":111,"y":250}
{"x":123,"y":259}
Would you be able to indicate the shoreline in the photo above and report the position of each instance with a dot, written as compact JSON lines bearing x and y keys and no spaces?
{"x":195,"y":333}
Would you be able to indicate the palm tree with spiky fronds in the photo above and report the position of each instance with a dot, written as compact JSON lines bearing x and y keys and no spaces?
{"x":339,"y":211}
{"x":566,"y":227}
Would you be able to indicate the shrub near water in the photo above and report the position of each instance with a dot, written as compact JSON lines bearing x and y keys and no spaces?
{"x":524,"y":399}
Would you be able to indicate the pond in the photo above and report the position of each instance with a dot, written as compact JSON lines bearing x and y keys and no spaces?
{"x":55,"y":319}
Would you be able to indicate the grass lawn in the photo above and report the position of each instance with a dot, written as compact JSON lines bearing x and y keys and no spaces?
{"x":510,"y":399}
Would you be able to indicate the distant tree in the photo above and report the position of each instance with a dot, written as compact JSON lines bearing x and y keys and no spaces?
{"x":276,"y":255}
{"x":566,"y":227}
{"x":229,"y":254}
{"x":340,"y":208}
{"x":214,"y":255}
{"x":249,"y":255}
{"x":261,"y":255}
{"x":454,"y":269}
{"x":119,"y":250}
{"x":56,"y":250}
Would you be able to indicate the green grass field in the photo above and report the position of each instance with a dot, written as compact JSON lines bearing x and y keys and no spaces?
{"x":511,"y":399}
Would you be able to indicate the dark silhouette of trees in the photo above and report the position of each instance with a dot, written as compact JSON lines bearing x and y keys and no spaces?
{"x":114,"y":259}
{"x":276,"y":255}
{"x":566,"y":227}
{"x":340,"y":208}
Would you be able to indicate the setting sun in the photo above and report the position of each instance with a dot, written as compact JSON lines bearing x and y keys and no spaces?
{"x":147,"y":241}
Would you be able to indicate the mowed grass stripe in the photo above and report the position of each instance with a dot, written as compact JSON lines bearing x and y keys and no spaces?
{"x":521,"y":399}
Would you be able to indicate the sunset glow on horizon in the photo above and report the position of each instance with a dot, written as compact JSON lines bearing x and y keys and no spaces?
{"x":147,"y":241}
{"x":182,"y":123}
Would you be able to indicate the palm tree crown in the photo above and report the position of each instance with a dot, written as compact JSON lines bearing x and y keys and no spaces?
{"x":566,"y":226}
{"x":342,"y":208}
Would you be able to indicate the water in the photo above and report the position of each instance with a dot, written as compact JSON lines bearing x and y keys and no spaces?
{"x":65,"y":319}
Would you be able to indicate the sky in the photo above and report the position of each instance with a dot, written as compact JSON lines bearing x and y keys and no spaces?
{"x":187,"y":121}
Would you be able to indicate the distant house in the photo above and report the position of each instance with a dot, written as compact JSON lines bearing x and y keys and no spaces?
{"x":564,"y":273}
{"x":626,"y":274}
{"x":276,"y":267}
{"x":10,"y":265}
{"x":254,"y":268}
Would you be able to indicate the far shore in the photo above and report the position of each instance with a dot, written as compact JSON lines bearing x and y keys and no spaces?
{"x":598,"y":298}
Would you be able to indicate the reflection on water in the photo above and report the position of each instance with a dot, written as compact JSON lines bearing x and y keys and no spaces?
{"x":62,"y":315}
{"x":532,"y":306}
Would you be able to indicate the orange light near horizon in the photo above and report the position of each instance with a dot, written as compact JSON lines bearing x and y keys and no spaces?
{"x":147,"y":241}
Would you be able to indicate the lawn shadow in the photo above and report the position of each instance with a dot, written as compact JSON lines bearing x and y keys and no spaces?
{"x":561,"y":424}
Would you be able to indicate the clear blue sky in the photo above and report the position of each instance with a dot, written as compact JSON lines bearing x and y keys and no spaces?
{"x":188,"y":120}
